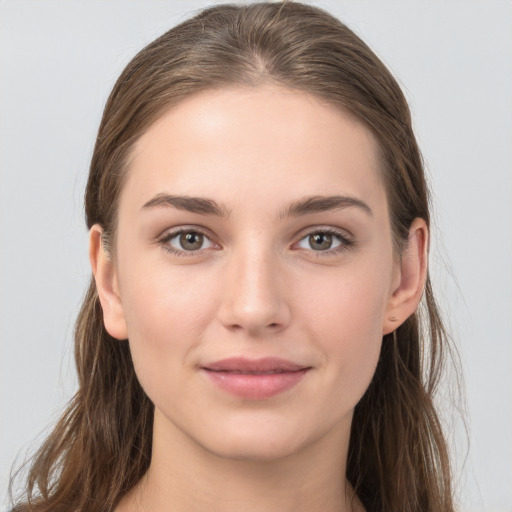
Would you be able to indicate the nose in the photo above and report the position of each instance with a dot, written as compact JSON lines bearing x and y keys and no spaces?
{"x":253,"y":295}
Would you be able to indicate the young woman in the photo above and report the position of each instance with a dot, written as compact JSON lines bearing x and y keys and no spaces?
{"x":260,"y":332}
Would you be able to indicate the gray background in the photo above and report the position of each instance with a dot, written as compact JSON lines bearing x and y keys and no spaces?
{"x":58,"y":62}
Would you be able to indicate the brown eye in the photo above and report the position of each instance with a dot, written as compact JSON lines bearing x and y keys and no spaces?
{"x":187,"y":241}
{"x":320,"y":241}
{"x":327,"y":241}
{"x":191,"y":241}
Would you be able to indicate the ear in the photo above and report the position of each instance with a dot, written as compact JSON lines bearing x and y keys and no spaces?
{"x":105,"y":275}
{"x":410,"y":280}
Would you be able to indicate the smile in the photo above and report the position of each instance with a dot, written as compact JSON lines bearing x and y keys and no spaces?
{"x":255,"y":379}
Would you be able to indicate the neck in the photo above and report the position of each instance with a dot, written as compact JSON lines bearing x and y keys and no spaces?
{"x":184,"y":476}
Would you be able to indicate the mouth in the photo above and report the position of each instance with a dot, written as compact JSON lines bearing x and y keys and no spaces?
{"x":258,"y":379}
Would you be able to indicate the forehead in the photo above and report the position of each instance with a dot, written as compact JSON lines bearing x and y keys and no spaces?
{"x":235,"y":143}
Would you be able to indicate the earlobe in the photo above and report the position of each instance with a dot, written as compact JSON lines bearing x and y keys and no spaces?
{"x":105,"y":275}
{"x":408,"y":290}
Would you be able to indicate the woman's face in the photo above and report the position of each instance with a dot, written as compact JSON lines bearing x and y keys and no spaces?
{"x":254,"y":269}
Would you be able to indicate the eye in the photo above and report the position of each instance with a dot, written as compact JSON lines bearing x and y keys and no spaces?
{"x":324,"y":241}
{"x":186,"y":241}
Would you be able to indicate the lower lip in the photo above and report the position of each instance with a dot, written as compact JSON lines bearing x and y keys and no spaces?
{"x":255,"y":386}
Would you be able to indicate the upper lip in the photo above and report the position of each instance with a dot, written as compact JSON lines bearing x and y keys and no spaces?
{"x":264,"y":365}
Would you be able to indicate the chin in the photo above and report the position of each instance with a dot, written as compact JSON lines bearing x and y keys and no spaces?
{"x":257,"y":441}
{"x":251,"y":449}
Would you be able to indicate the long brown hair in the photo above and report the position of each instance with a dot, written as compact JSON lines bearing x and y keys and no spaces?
{"x":101,"y":447}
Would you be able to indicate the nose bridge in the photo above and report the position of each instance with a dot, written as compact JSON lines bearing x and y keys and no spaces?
{"x":253,"y":296}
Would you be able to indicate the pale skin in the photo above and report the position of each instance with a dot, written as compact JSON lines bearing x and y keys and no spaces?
{"x":263,"y":273}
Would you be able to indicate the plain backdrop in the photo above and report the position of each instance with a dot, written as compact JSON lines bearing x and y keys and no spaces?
{"x":58,"y":62}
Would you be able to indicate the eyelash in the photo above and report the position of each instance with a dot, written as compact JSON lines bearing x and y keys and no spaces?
{"x":164,"y":241}
{"x":345,"y":241}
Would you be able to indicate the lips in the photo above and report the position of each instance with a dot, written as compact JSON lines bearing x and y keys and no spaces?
{"x":266,"y":365}
{"x":257,"y":379}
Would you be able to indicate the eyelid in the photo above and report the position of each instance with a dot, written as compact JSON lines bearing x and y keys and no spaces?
{"x":346,"y":238}
{"x":174,"y":232}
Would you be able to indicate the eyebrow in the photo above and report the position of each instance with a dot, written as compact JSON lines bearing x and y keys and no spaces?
{"x":190,"y":204}
{"x":308,"y":205}
{"x":316,"y":204}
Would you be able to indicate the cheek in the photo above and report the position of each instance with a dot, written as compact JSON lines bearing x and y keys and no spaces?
{"x":344,"y":317}
{"x":166,"y":313}
{"x":348,"y":302}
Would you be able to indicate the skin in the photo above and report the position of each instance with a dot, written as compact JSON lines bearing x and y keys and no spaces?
{"x":256,"y":288}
